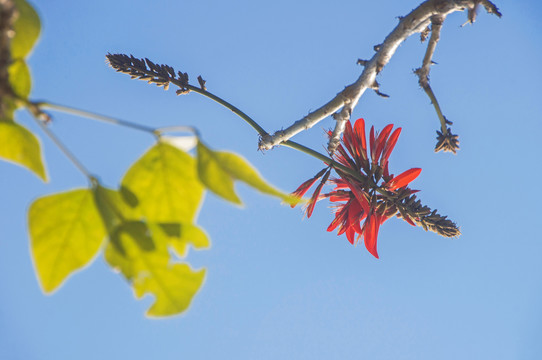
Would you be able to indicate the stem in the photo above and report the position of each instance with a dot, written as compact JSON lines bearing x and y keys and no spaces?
{"x":434,"y":101}
{"x":64,"y":149}
{"x":226,"y":104}
{"x":94,"y":116}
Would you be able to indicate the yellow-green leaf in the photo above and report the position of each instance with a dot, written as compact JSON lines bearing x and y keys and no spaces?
{"x":7,"y":110}
{"x":146,"y":264}
{"x":219,"y":169}
{"x":27,"y":30}
{"x":173,"y":287}
{"x":19,"y":78}
{"x":20,"y":146}
{"x":180,"y":235}
{"x":163,"y":185}
{"x":140,"y":251}
{"x":66,"y":233}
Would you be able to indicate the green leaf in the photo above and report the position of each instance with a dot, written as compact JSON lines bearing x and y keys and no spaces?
{"x":19,"y":78}
{"x":66,"y":233}
{"x":139,"y":250}
{"x":218,"y":170}
{"x":180,"y":235}
{"x":27,"y":30}
{"x":20,"y":146}
{"x":174,"y":287}
{"x":146,"y":264}
{"x":163,"y":185}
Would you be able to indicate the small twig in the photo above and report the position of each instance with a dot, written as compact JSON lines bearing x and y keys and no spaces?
{"x":446,"y":140}
{"x":94,"y":116}
{"x":62,"y":147}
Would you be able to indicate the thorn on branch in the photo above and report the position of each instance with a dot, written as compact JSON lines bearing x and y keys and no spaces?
{"x":472,"y":13}
{"x":201,"y":83}
{"x":362,"y":62}
{"x":424,"y":34}
{"x":377,"y":47}
{"x":376,"y":88}
{"x":490,"y":7}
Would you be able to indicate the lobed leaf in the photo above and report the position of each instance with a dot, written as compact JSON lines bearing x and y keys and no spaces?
{"x":27,"y":30}
{"x":146,"y":265}
{"x":218,"y":170}
{"x":66,"y":233}
{"x":20,"y":146}
{"x":180,"y":235}
{"x":140,"y":251}
{"x":163,"y":185}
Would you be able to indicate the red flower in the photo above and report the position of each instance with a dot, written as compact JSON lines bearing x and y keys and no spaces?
{"x":357,"y":193}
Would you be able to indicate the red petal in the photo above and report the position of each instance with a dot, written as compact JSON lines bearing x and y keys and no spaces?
{"x":371,"y":234}
{"x":316,"y":194}
{"x":381,"y":141}
{"x":349,"y":140}
{"x":403,"y":179}
{"x":361,"y":198}
{"x":350,"y":235}
{"x":390,"y":144}
{"x":372,"y":143}
{"x":340,"y":217}
{"x":359,"y":133}
{"x":303,"y":188}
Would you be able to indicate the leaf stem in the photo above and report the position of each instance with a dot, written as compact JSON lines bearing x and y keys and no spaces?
{"x":64,"y":149}
{"x":94,"y":116}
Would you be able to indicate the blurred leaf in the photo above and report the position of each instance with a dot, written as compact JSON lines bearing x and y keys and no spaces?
{"x":20,"y":146}
{"x":27,"y":30}
{"x":146,"y":264}
{"x":140,"y":252}
{"x":218,"y":170}
{"x":19,"y":78}
{"x":179,"y":236}
{"x":66,"y":233}
{"x":164,"y":185}
{"x":9,"y":107}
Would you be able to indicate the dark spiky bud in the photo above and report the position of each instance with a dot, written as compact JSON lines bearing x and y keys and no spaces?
{"x":447,"y":142}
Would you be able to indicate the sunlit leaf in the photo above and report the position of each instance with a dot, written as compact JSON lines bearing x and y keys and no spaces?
{"x":140,"y":251}
{"x":219,"y":169}
{"x":27,"y":30}
{"x":19,"y":78}
{"x":173,"y":287}
{"x":180,"y":235}
{"x":66,"y":233}
{"x":146,"y":264}
{"x":163,"y":185}
{"x":20,"y":146}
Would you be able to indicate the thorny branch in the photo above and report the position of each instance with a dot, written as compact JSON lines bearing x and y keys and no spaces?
{"x":343,"y":103}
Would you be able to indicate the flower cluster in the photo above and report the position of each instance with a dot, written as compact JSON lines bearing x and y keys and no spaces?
{"x":365,"y":194}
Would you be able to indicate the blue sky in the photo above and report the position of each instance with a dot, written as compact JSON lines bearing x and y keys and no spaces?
{"x":278,"y":285}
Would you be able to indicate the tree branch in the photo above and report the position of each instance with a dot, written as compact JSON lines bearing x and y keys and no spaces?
{"x":416,"y":21}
